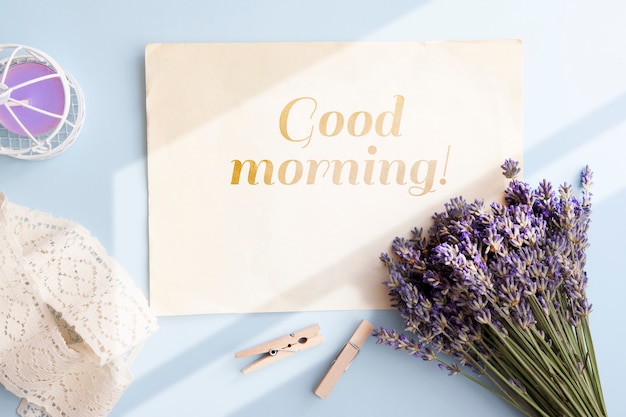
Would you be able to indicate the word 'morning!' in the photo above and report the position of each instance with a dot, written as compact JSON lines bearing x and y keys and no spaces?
{"x":299,"y":120}
{"x":418,"y":175}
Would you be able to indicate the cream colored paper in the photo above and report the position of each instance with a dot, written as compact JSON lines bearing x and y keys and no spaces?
{"x":422,"y":122}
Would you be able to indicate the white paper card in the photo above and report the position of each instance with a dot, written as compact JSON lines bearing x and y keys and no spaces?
{"x":279,"y":172}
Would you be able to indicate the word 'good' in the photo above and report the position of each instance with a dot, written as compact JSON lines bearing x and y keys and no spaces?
{"x":302,"y":112}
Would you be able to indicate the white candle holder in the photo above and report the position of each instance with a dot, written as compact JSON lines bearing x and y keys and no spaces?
{"x":20,"y":137}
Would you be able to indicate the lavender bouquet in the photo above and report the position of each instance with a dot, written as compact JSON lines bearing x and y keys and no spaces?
{"x":497,"y":293}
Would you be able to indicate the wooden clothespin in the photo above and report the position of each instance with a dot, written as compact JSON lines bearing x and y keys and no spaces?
{"x":344,"y":359}
{"x":280,"y":348}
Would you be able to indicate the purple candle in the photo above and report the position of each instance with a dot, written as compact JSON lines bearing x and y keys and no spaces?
{"x":46,"y":96}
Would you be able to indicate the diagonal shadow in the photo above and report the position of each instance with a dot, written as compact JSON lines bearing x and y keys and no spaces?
{"x":579,"y":132}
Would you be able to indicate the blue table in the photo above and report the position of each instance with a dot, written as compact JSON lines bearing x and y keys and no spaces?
{"x":574,"y":112}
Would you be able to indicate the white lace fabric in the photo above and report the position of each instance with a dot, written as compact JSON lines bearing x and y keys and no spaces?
{"x":70,"y":317}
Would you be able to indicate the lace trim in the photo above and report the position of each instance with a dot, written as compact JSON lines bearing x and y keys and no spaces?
{"x":69,"y":316}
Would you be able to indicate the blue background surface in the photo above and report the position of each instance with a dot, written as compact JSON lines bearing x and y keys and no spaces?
{"x":574,"y":114}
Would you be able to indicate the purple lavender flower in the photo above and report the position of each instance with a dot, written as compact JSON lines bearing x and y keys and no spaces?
{"x":501,"y":288}
{"x":511,"y":168}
